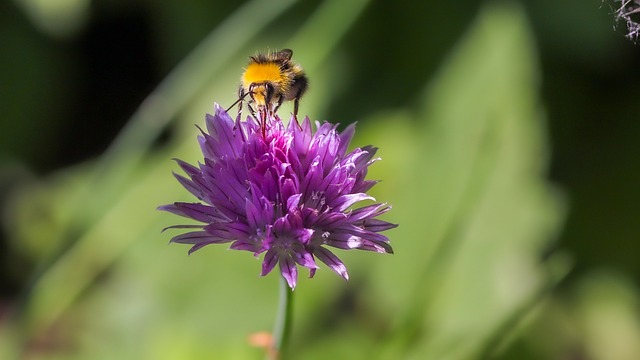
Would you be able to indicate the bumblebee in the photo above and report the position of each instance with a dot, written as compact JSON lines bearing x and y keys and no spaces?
{"x":269,"y":80}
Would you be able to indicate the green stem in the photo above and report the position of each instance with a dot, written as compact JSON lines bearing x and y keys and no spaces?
{"x":282,"y":327}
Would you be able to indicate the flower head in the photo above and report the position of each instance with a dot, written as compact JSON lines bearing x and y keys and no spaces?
{"x":284,"y":191}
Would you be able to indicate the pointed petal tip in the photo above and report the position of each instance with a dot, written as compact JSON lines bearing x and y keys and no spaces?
{"x":289,"y":271}
{"x":291,"y":282}
{"x":384,"y":248}
{"x":269,"y":262}
{"x":219,"y":110}
{"x":195,"y":248}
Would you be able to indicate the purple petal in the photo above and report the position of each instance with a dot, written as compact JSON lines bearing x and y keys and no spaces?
{"x":313,"y":178}
{"x":197,"y":247}
{"x":338,"y":179}
{"x":330,"y":220}
{"x":289,"y":189}
{"x":229,"y":230}
{"x":191,"y":187}
{"x":304,"y":258}
{"x":182,"y":227}
{"x":331,"y":261}
{"x":196,"y":211}
{"x":347,"y":241}
{"x":295,"y":223}
{"x":199,"y":239}
{"x":376,"y":225}
{"x":345,"y":139}
{"x":364,"y":161}
{"x":343,"y":202}
{"x":303,"y":236}
{"x":368,"y":211}
{"x":364,"y":186}
{"x":206,"y":145}
{"x":227,"y":178}
{"x":281,"y":225}
{"x":244,"y":244}
{"x":259,"y":212}
{"x":293,"y":202}
{"x":343,"y":240}
{"x":302,"y":137}
{"x":289,"y":270}
{"x":196,"y":237}
{"x":328,"y":147}
{"x":220,"y":127}
{"x":356,"y":230}
{"x":187,"y":168}
{"x":269,"y":262}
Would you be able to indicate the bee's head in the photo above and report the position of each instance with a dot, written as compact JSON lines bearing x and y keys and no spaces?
{"x":262,"y":94}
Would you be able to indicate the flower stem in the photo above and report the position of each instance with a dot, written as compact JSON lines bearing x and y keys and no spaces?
{"x":282,"y":327}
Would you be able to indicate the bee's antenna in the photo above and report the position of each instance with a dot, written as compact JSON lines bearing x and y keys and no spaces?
{"x":237,"y":101}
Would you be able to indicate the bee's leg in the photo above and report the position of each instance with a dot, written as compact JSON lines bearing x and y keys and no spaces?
{"x":280,"y":101}
{"x":300,"y":85}
{"x":241,"y":95}
{"x":296,"y":101}
{"x":253,"y":112}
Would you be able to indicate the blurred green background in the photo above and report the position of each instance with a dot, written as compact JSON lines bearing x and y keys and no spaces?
{"x":508,"y":133}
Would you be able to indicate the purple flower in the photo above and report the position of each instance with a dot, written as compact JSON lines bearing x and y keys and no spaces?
{"x":284,"y":191}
